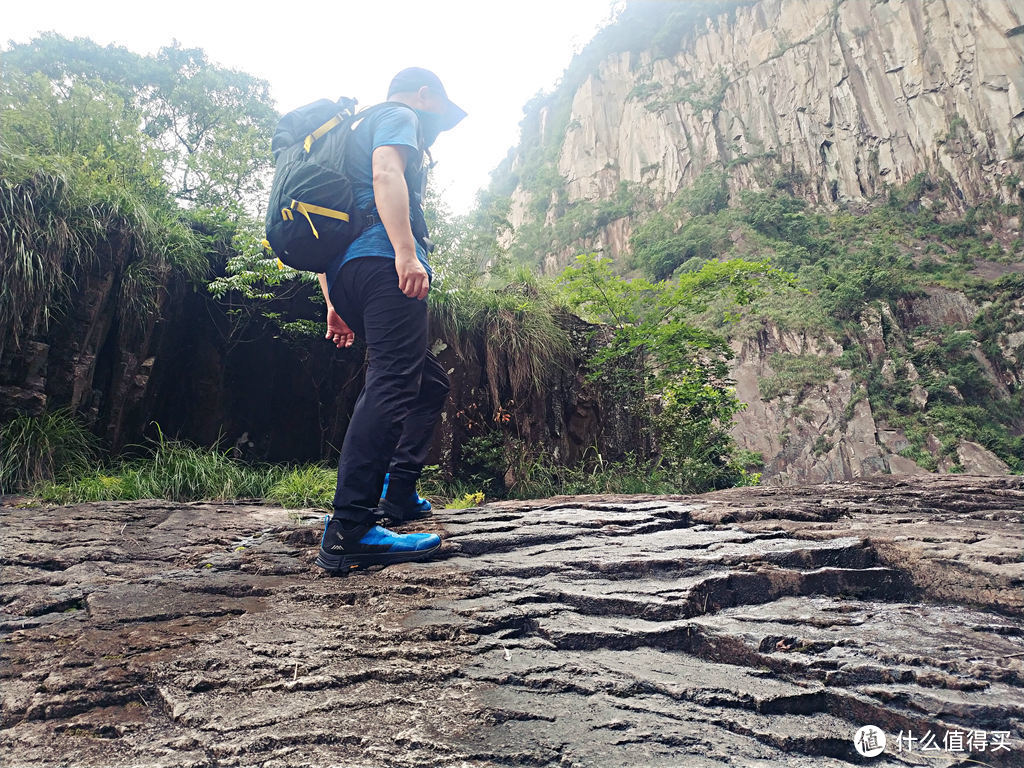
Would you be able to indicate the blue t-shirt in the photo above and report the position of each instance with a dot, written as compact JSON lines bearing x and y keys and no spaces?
{"x":397,"y":126}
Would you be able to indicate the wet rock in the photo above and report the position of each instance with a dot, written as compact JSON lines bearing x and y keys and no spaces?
{"x":753,"y":627}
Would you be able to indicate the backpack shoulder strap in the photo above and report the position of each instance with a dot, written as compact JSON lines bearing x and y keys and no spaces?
{"x":342,"y":117}
{"x":312,"y":120}
{"x":320,"y":132}
{"x":295,"y":125}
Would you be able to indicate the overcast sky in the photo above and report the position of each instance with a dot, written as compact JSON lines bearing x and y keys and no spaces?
{"x":491,"y":56}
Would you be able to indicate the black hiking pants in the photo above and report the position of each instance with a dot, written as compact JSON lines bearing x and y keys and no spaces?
{"x":403,"y":395}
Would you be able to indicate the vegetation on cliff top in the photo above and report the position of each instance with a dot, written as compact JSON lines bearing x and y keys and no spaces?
{"x":144,"y":160}
{"x":851,"y":264}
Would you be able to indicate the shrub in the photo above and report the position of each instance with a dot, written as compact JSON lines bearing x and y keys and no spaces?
{"x":796,"y":374}
{"x":178,"y":471}
{"x":467,"y":501}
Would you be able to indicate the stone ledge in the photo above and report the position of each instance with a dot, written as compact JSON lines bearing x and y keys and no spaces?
{"x":754,"y":626}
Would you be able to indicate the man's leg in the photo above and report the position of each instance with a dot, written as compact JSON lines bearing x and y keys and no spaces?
{"x":395,"y":330}
{"x":418,"y":430}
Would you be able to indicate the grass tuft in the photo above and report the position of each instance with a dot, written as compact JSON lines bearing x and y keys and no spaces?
{"x":519,"y":321}
{"x":309,"y":486}
{"x":37,"y":449}
{"x":56,"y":221}
{"x":173,"y":470}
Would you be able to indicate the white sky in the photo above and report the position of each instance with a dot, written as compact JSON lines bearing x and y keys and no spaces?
{"x":491,"y":56}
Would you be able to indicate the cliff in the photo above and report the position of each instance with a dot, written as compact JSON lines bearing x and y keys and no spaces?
{"x":830,"y":428}
{"x":847,"y":97}
{"x":839,"y":104}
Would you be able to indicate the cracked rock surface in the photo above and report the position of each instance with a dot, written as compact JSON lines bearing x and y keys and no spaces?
{"x":749,"y":627}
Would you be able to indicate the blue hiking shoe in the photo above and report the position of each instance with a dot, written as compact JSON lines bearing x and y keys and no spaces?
{"x":402,"y":510}
{"x":343,"y":548}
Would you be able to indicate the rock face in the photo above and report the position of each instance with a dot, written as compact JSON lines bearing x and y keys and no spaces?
{"x":828,"y":430}
{"x":92,"y":360}
{"x":835,"y":100}
{"x":754,"y":627}
{"x":826,"y":436}
{"x":843,"y":97}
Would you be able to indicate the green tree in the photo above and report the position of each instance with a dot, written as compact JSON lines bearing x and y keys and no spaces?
{"x":777,"y":215}
{"x":209,"y":127}
{"x":683,"y":367}
{"x":81,"y":183}
{"x":214,"y":126}
{"x":692,"y":229}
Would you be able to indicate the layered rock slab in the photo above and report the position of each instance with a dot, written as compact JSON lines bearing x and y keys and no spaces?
{"x":753,"y":627}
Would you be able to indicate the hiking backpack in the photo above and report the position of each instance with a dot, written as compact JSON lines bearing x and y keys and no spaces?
{"x":311,"y":214}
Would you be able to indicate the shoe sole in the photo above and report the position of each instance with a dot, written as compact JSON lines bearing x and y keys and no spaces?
{"x":388,"y":511}
{"x":342,"y":564}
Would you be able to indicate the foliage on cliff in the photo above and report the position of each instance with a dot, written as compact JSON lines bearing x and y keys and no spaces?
{"x":58,"y":219}
{"x":682,"y":367}
{"x":868,"y":271}
{"x":866,"y":261}
{"x":145,"y":160}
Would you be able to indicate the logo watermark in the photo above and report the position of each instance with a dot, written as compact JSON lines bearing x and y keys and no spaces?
{"x":870,"y":741}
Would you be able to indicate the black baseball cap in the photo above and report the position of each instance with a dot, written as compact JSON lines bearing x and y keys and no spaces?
{"x":412,"y":79}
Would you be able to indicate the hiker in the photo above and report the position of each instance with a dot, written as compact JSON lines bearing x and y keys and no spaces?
{"x":377,"y":289}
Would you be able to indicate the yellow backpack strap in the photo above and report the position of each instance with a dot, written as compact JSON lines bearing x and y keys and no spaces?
{"x":307,"y":208}
{"x":334,"y":122}
{"x":266,"y":245}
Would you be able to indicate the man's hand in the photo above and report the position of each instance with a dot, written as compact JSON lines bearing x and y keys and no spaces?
{"x":412,"y":277}
{"x":338,"y":331}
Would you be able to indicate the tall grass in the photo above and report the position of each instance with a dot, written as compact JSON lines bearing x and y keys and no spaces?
{"x":177,"y":471}
{"x":35,"y":449}
{"x":535,"y":475}
{"x":181,"y":472}
{"x":538,"y":477}
{"x":309,"y":486}
{"x":516,"y":325}
{"x":172,"y":470}
{"x":41,"y":248}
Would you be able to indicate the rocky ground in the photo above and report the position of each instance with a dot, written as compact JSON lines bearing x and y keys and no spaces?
{"x":751,"y":627}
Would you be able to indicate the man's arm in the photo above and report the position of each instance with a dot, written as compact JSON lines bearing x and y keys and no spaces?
{"x":338,"y":331}
{"x":391,"y":194}
{"x":323,"y":287}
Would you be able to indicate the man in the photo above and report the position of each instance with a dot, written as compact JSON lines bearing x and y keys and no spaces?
{"x":377,"y":290}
